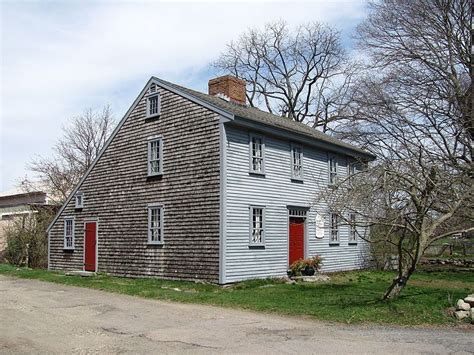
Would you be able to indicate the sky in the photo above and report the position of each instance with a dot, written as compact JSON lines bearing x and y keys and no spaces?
{"x":60,"y":58}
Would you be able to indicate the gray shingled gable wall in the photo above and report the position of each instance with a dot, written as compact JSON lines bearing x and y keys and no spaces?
{"x":117,"y":192}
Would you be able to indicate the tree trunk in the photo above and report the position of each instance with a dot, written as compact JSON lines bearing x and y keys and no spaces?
{"x":398,"y":285}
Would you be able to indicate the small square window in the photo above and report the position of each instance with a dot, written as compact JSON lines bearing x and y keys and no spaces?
{"x":155,"y":224}
{"x":79,"y":200}
{"x":257,"y":225}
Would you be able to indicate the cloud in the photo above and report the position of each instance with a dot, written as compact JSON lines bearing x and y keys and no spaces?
{"x":59,"y":58}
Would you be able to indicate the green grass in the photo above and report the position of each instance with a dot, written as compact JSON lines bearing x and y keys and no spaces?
{"x":351,"y":297}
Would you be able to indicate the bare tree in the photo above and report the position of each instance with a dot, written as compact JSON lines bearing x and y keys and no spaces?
{"x":413,"y":110}
{"x":75,"y":151}
{"x":303,"y":75}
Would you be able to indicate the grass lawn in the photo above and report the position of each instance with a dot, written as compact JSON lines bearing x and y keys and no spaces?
{"x":350,"y":297}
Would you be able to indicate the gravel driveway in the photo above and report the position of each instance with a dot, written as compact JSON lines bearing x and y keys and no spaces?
{"x":40,"y":317}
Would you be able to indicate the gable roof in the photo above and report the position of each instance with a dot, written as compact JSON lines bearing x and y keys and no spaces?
{"x":257,"y":115}
{"x":226,"y":109}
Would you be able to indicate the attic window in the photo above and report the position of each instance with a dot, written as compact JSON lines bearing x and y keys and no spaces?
{"x":153,"y":89}
{"x":153,"y":102}
{"x":79,"y":200}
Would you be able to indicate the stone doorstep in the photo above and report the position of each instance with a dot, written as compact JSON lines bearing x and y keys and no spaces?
{"x":80,"y":273}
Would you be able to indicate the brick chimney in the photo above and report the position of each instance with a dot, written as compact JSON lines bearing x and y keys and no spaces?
{"x":228,"y":87}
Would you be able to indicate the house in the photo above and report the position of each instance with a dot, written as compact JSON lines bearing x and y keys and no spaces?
{"x":15,"y":204}
{"x":201,"y":186}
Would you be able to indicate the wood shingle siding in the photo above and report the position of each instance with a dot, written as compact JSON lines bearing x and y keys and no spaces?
{"x":117,"y":192}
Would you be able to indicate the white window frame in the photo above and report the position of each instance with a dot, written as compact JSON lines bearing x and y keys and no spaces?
{"x":332,"y":173}
{"x":150,"y":141}
{"x":72,"y":235}
{"x":294,"y":147}
{"x":352,"y":228}
{"x":79,"y":200}
{"x":334,"y":232}
{"x":160,"y":228}
{"x":152,"y":93}
{"x":252,"y":156}
{"x":261,"y":228}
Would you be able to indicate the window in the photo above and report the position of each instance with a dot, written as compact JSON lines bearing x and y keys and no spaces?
{"x":257,"y":154}
{"x":257,"y":227}
{"x":352,"y":228}
{"x":79,"y":200}
{"x":155,"y":224}
{"x":155,"y":153}
{"x":153,"y":102}
{"x":69,"y":233}
{"x":332,"y":171}
{"x":296,"y":162}
{"x":334,"y":228}
{"x":352,"y":168}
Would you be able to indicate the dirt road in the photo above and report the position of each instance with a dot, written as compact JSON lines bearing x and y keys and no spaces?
{"x":39,"y":317}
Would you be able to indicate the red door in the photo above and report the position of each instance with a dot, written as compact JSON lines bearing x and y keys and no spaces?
{"x":90,"y":246}
{"x":296,"y":240}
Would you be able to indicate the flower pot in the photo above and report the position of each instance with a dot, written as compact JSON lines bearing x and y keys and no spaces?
{"x":308,"y":271}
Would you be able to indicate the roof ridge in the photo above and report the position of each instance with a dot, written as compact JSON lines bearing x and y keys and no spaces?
{"x":256,"y":114}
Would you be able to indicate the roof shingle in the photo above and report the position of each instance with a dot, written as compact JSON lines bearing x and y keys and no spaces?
{"x":257,"y":115}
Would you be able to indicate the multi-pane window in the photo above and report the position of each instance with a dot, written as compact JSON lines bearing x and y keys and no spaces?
{"x":155,"y":224}
{"x":257,"y":230}
{"x":296,"y":162}
{"x":79,"y":200}
{"x":334,"y":228}
{"x":153,"y":104}
{"x":332,"y":171}
{"x":352,"y":228}
{"x":155,"y":153}
{"x":257,"y":154}
{"x":69,"y":233}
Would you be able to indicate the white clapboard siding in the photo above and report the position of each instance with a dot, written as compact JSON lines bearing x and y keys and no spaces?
{"x":276,"y":191}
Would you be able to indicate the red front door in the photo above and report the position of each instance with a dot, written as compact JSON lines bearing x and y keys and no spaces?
{"x":90,"y":246}
{"x":296,"y":240}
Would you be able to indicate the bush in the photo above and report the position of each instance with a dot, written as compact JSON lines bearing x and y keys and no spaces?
{"x":27,"y":242}
{"x":298,"y":267}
